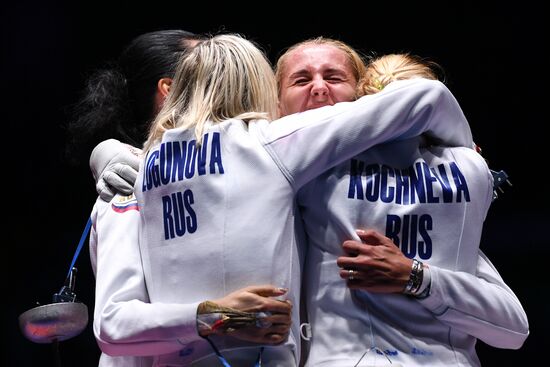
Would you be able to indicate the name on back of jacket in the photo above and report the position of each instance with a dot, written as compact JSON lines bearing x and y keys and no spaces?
{"x":178,"y":161}
{"x":417,"y":184}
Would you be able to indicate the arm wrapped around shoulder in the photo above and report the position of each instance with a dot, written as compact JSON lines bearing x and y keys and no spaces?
{"x":114,"y":166}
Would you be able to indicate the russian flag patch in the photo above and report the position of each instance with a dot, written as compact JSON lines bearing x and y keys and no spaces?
{"x":123,"y":204}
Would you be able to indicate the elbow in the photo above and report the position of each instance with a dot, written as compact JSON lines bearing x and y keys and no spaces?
{"x":510,"y":338}
{"x":107,"y":332}
{"x":435,"y":90}
{"x":518,"y":342}
{"x":114,"y":345}
{"x":521,"y":336}
{"x":118,"y":337}
{"x":106,"y":341}
{"x":521,"y":332}
{"x":514,"y":341}
{"x":508,"y":333}
{"x":110,"y":349}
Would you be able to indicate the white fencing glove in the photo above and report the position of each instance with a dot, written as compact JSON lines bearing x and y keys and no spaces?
{"x":114,"y":166}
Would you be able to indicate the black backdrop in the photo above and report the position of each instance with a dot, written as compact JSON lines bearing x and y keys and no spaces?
{"x":495,"y":67}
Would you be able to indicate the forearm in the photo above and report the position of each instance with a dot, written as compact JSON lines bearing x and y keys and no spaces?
{"x":125,"y":322}
{"x":333,"y":134}
{"x":141,"y":329}
{"x":481,"y":305}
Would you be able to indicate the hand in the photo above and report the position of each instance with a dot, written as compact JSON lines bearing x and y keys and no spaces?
{"x":114,"y":166}
{"x":377,"y":263}
{"x":258,"y":299}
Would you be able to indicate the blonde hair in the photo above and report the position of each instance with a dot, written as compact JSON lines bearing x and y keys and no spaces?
{"x":356,"y":61}
{"x":223,"y":77}
{"x":385,"y":69}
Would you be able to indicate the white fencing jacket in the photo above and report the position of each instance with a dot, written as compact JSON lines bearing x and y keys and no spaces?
{"x":432,"y":202}
{"x":221,"y":217}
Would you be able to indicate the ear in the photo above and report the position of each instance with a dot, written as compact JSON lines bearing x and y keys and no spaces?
{"x":163,"y":86}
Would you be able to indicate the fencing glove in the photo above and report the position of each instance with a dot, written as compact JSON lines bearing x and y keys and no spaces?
{"x":114,"y":166}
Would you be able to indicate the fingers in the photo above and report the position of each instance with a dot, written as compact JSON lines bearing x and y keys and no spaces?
{"x":350,"y":274}
{"x":276,"y":306}
{"x":268,"y":339}
{"x":275,"y":339}
{"x":279,"y":319}
{"x":104,"y":191}
{"x":257,"y":299}
{"x":127,"y":172}
{"x":270,"y":304}
{"x":273,"y":335}
{"x":371,"y":237}
{"x":267,"y":290}
{"x":277,"y":334}
{"x":279,"y":329}
{"x":368,"y":238}
{"x":127,"y":155}
{"x":346,"y":262}
{"x":118,"y":183}
{"x":352,"y":248}
{"x":275,"y":326}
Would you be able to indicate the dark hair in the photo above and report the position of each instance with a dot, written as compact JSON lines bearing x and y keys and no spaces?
{"x":118,"y":101}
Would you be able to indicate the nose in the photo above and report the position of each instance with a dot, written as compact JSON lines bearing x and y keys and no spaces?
{"x":319,"y":88}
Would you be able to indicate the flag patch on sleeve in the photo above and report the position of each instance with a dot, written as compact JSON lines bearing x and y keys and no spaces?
{"x":121,"y":204}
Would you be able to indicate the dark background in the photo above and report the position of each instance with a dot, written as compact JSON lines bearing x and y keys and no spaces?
{"x":493,"y":55}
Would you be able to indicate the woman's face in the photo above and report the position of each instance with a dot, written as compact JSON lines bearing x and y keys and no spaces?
{"x":315,"y":76}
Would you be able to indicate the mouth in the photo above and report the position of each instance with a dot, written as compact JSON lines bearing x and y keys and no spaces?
{"x":318,"y":105}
